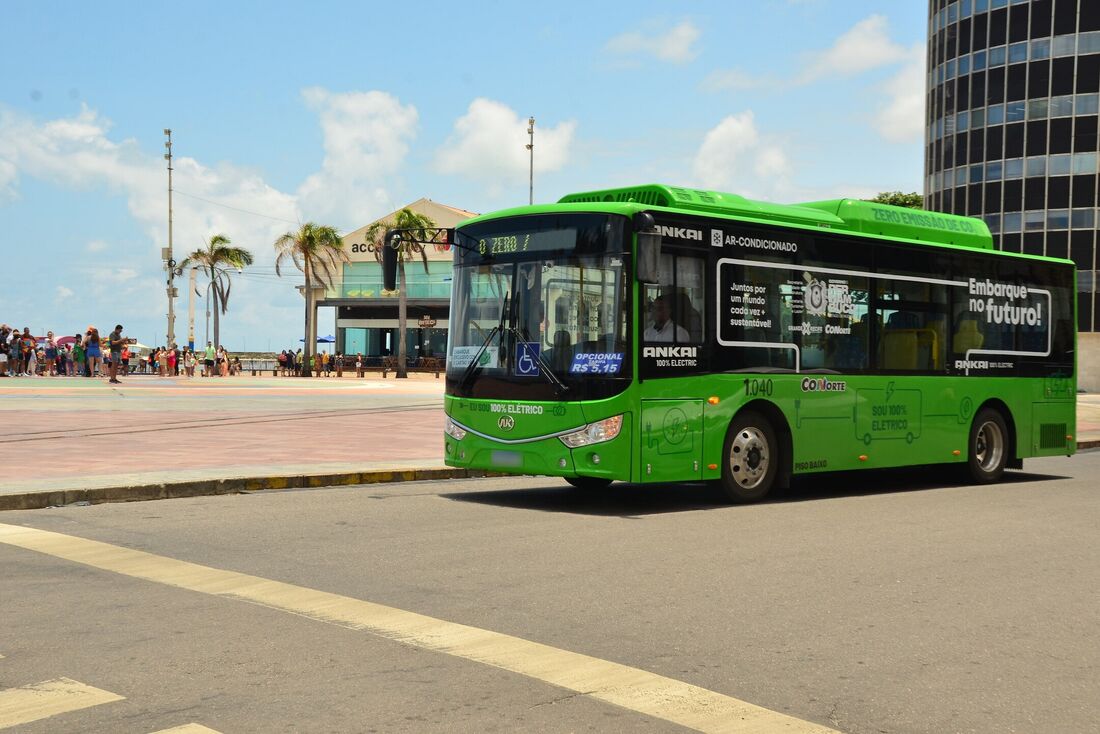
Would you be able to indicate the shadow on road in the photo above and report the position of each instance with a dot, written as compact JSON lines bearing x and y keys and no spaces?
{"x":634,"y":500}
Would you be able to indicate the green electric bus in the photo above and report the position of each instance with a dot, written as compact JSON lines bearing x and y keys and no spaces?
{"x":665,"y":334}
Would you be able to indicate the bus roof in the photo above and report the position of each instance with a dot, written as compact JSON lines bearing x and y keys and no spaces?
{"x":851,"y":215}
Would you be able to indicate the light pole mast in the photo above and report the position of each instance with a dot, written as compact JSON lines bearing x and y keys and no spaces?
{"x":191,"y":307}
{"x":531,"y":149}
{"x":169,"y":261}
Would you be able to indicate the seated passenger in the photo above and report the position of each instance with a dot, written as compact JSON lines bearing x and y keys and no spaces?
{"x":662,"y":328}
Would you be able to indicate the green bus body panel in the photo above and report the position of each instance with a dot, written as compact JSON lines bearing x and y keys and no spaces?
{"x":532,"y":446}
{"x":894,"y":221}
{"x":671,"y":430}
{"x":851,"y":215}
{"x":876,"y":421}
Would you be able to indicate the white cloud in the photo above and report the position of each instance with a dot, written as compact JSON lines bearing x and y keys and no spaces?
{"x":675,"y":45}
{"x":735,"y":157}
{"x":63,"y":293}
{"x":865,"y":46}
{"x":489,"y":142}
{"x":901,"y":120}
{"x":366,"y":138}
{"x":79,"y":152}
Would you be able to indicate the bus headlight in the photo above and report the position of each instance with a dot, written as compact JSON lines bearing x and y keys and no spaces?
{"x":453,"y":430}
{"x":597,"y":432}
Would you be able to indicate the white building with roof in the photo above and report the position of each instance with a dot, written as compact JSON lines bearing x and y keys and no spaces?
{"x":366,"y":316}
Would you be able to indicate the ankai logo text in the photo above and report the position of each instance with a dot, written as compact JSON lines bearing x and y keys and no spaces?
{"x":680,"y":233}
{"x":670,"y":352}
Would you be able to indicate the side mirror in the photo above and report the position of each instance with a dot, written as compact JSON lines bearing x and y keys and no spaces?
{"x":389,"y":259}
{"x":648,"y":260}
{"x":649,"y":257}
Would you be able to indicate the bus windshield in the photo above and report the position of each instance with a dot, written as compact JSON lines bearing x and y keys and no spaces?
{"x":539,"y":309}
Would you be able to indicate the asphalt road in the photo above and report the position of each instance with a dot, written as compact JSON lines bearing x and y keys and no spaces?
{"x":885,"y":602}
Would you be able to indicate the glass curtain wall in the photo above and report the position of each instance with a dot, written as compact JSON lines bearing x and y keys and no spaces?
{"x":1013,"y":98}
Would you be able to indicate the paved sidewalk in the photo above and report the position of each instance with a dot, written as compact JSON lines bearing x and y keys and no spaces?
{"x":1088,"y":421}
{"x":81,"y":434}
{"x":85,"y":440}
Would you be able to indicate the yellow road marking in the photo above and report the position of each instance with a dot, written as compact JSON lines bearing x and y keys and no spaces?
{"x":188,"y":729}
{"x":631,"y":688}
{"x":49,"y":698}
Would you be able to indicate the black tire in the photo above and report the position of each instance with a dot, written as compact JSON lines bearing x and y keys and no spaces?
{"x":591,"y":484}
{"x":987,"y":447}
{"x":750,"y":458}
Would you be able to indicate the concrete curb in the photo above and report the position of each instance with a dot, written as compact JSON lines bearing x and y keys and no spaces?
{"x":237,"y":485}
{"x":233,"y":485}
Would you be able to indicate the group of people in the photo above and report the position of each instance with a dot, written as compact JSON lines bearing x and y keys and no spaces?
{"x":174,"y":362}
{"x":88,"y":354}
{"x":92,"y":355}
{"x":290,"y":362}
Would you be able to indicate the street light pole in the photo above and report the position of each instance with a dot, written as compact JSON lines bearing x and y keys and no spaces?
{"x":191,"y":307}
{"x":206,"y":300}
{"x":169,"y":261}
{"x":531,"y":149}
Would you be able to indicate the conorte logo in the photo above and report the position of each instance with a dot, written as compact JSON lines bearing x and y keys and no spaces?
{"x":506,"y":423}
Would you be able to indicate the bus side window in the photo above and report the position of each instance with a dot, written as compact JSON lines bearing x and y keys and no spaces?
{"x":967,"y":337}
{"x":849,"y":351}
{"x":674,"y":308}
{"x":912,"y":335}
{"x":689,"y":286}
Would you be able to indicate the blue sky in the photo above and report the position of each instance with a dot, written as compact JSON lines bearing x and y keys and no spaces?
{"x":341,"y":112}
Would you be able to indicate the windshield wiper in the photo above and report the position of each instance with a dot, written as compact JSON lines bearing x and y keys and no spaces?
{"x":498,"y":329}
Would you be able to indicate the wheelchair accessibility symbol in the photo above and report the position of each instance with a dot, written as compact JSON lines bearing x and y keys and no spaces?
{"x":527,"y":359}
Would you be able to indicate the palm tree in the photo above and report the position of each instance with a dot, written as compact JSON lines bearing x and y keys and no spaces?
{"x":412,"y":243}
{"x":216,"y":260}
{"x":317,"y":251}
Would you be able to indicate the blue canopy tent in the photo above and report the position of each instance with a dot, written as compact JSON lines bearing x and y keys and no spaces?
{"x":328,"y":339}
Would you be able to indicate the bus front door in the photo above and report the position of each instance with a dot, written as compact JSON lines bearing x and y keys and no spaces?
{"x":672,"y":440}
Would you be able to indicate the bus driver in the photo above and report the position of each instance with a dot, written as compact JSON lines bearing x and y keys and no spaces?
{"x":663,"y":328}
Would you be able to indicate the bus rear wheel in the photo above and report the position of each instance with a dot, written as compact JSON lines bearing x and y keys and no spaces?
{"x":591,"y":484}
{"x":751,"y":458}
{"x":988,"y":447}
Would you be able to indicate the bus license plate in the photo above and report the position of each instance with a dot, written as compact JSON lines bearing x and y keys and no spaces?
{"x":507,"y":458}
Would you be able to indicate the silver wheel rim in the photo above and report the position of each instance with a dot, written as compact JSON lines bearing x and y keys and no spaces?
{"x":989,"y":446}
{"x":749,"y":458}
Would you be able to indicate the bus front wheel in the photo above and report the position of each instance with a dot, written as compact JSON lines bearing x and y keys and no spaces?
{"x":988,"y":447}
{"x":751,"y":458}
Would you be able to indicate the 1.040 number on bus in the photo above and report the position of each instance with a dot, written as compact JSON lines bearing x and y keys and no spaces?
{"x":758,"y":387}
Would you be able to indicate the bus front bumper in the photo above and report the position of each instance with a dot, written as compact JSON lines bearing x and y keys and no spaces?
{"x":548,"y":456}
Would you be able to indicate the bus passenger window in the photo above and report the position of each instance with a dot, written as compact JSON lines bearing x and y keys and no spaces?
{"x":966,"y":337}
{"x":912,"y":333}
{"x":673,"y":309}
{"x":660,"y":326}
{"x":826,"y":321}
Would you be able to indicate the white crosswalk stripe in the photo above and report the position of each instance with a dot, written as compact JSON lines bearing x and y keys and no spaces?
{"x":49,"y":698}
{"x":631,"y":688}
